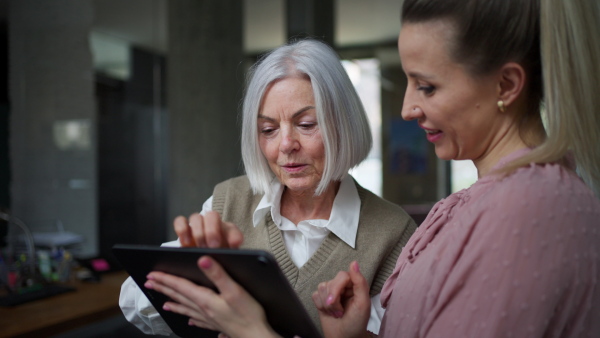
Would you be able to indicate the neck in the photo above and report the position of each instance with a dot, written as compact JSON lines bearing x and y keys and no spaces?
{"x":300,"y":206}
{"x":504,"y":145}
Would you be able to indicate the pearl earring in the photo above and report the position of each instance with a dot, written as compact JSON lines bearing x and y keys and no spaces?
{"x":501,"y":106}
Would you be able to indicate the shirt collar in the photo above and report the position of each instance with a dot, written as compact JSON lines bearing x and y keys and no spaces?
{"x":269,"y":202}
{"x":343,"y":221}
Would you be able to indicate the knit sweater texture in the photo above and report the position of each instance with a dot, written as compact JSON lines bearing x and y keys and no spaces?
{"x":383,"y":230}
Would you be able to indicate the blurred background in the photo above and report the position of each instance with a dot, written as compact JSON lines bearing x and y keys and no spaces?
{"x":116,"y":116}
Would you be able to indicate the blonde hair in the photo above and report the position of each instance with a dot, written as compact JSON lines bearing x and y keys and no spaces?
{"x":571,"y":73}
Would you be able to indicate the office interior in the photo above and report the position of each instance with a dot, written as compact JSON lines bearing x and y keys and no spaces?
{"x":116,"y":116}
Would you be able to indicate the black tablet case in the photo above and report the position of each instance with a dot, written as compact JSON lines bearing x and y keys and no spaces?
{"x":256,"y":270}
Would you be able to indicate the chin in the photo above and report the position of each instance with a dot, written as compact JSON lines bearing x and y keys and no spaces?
{"x":299,"y":185}
{"x":443,"y":153}
{"x":444,"y":156}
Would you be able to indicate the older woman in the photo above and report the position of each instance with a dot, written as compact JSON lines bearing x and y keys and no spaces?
{"x":303,"y":128}
{"x":516,"y":254}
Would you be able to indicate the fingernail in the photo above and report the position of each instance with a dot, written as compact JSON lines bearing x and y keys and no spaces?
{"x":356,"y":267}
{"x":329,"y":300}
{"x":148,"y":285}
{"x":190,"y":323}
{"x":166,"y":307}
{"x":205,"y":263}
{"x":150,"y":277}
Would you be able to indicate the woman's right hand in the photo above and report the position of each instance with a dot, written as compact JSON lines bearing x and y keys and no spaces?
{"x":344,"y":304}
{"x":207,"y":231}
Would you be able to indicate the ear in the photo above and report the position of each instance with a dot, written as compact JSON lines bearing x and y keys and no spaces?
{"x":511,"y":82}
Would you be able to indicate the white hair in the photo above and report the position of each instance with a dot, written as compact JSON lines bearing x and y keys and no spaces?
{"x":340,"y":114}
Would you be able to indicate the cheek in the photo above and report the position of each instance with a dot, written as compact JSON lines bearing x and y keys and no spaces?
{"x":450,"y":112}
{"x":267,"y":149}
{"x":316,"y":149}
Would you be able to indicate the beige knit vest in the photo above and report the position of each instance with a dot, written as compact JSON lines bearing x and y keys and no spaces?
{"x":384,"y":228}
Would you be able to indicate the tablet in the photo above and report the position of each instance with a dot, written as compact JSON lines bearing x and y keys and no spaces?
{"x":255,"y":270}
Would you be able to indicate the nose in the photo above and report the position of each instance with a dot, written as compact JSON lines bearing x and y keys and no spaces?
{"x":410,"y":108}
{"x":289,"y":141}
{"x":411,"y":112}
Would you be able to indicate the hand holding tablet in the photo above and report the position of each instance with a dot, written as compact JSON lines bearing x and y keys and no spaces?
{"x":231,"y":309}
{"x":256,"y":272}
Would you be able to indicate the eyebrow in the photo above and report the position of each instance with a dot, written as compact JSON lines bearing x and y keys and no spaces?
{"x":261,"y":116}
{"x":419,"y":75}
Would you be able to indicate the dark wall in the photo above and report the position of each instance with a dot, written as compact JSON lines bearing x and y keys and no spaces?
{"x":4,"y":120}
{"x":4,"y":132}
{"x":131,"y":154}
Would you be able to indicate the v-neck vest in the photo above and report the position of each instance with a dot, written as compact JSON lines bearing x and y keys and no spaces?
{"x":384,"y":228}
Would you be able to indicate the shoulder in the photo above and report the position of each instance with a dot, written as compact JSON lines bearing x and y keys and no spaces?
{"x":373,"y":203}
{"x":235,"y":181}
{"x":542,"y":187}
{"x":382,"y":215}
{"x":239,"y":184}
{"x":534,"y":206}
{"x":234,"y":193}
{"x":536,"y":230}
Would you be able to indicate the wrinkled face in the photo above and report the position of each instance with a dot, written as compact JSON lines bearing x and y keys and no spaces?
{"x":289,"y":135}
{"x":457,"y":110}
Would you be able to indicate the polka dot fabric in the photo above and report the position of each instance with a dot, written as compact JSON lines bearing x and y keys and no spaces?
{"x":511,"y":257}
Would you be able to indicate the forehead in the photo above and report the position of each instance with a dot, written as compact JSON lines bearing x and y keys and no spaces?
{"x":425,"y":43}
{"x":289,"y":90}
{"x":288,"y":95}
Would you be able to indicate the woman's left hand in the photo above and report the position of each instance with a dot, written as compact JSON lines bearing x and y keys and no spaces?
{"x":232,"y":311}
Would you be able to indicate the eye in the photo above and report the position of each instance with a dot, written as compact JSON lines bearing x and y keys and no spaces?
{"x":308,"y":125}
{"x":267,"y":131}
{"x":428,"y":90}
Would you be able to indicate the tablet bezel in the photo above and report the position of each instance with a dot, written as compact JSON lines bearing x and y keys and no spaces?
{"x":255,"y":270}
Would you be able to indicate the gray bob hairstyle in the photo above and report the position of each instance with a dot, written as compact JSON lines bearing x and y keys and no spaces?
{"x":340,"y":114}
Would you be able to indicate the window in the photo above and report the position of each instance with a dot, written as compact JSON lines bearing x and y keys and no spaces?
{"x":365,"y":77}
{"x":464,"y":174}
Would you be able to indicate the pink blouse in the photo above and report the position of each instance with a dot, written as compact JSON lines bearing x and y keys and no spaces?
{"x":511,"y":257}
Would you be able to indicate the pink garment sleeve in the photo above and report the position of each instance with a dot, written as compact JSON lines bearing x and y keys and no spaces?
{"x":529,"y":268}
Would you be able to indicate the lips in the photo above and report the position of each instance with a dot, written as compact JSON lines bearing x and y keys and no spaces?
{"x":293,"y":167}
{"x":433,"y":135}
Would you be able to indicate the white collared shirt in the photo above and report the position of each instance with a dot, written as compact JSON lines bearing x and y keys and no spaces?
{"x":304,"y":238}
